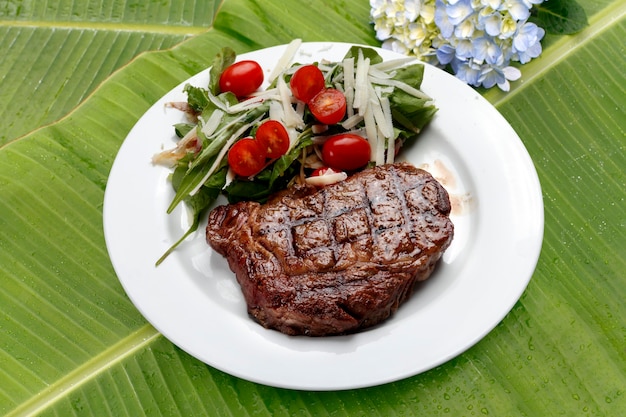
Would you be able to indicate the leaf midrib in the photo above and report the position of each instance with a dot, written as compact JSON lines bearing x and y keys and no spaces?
{"x":125,"y":348}
{"x":168,"y":29}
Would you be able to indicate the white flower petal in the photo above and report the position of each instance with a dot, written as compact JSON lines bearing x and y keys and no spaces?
{"x":512,"y":73}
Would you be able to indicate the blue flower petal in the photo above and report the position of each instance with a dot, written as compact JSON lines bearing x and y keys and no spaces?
{"x":445,"y":54}
{"x":459,"y":11}
{"x":441,"y":20}
{"x":491,"y":76}
{"x":517,"y":9}
{"x":464,"y":49}
{"x":493,"y":24}
{"x":467,"y":72}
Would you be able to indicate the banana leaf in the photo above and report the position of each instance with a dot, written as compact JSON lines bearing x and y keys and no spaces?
{"x":76,"y":76}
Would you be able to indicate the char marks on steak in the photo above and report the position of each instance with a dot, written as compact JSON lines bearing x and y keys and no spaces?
{"x":338,"y":259}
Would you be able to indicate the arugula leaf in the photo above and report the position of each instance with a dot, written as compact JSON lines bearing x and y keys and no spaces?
{"x":197,"y":97}
{"x":188,"y":180}
{"x":408,"y":111}
{"x":223,"y":59}
{"x":182,"y":129}
{"x":411,"y":75}
{"x":370,"y":53}
{"x":244,"y":190}
{"x":198,"y":203}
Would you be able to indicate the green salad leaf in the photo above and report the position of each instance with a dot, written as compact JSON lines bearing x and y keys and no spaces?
{"x":272,"y":179}
{"x":197,"y":203}
{"x":369,"y":53}
{"x":222,"y":60}
{"x":410,"y":112}
{"x":181,"y":129}
{"x":197,"y":97}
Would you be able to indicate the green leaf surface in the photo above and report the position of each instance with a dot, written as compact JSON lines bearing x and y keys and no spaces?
{"x":562,"y":17}
{"x":75,"y":79}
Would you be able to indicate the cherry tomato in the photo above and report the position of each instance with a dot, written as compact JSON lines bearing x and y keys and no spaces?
{"x":273,"y":137}
{"x":346,"y":152}
{"x":328,"y":106}
{"x":306,"y":82}
{"x":246,"y":157}
{"x":242,"y":78}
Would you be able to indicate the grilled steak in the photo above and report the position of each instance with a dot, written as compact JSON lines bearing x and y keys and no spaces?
{"x":338,"y":259}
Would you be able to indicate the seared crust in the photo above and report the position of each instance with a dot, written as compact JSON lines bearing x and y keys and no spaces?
{"x":338,"y":259}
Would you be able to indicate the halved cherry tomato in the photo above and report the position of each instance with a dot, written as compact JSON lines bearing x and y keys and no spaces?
{"x":346,"y":152}
{"x":306,"y":82}
{"x":242,"y":78}
{"x":273,"y":137}
{"x":246,"y":157}
{"x":328,"y":106}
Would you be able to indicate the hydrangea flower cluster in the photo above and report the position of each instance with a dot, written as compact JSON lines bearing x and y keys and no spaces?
{"x":477,"y":39}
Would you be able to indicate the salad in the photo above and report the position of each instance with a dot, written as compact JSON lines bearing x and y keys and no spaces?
{"x":313,"y":123}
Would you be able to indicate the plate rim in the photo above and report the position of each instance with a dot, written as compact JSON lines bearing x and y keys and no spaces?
{"x":123,"y":271}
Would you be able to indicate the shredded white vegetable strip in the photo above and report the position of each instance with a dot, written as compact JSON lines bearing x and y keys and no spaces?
{"x":210,"y":126}
{"x":291,"y":117}
{"x":371,"y":131}
{"x":384,"y":128}
{"x":228,"y":125}
{"x":285,"y":60}
{"x":218,"y":160}
{"x":300,"y":106}
{"x":248,"y":104}
{"x":361,"y":84}
{"x":217,"y":103}
{"x":374,"y":72}
{"x":380,"y":151}
{"x":390,"y":151}
{"x":352,"y":121}
{"x":393,"y":64}
{"x":270,"y":94}
{"x":326,"y":179}
{"x":386,"y":107}
{"x":383,"y":112}
{"x":348,"y":85}
{"x":325,"y":68}
{"x":402,"y":86}
{"x":276,"y":111}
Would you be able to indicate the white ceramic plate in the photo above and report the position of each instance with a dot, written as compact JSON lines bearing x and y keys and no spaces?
{"x":194,"y":300}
